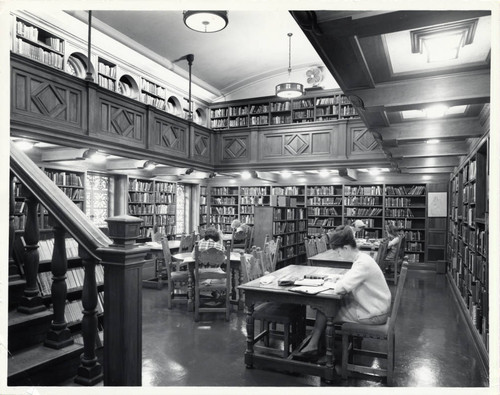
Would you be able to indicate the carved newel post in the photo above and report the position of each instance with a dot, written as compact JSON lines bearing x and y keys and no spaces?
{"x":123,"y":261}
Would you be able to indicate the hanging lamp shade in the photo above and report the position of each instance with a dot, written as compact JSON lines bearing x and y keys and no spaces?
{"x":206,"y":21}
{"x":289,"y":89}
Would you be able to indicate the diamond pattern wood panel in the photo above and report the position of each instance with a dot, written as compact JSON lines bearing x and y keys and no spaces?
{"x":363,"y":140}
{"x":235,"y":147}
{"x":171,"y":136}
{"x":122,"y":122}
{"x":202,"y":145}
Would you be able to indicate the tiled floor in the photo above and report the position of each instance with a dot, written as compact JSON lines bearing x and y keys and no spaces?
{"x":433,"y":347}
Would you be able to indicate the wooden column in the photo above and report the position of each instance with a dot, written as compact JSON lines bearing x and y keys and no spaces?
{"x":122,"y":263}
{"x":90,"y":370}
{"x":31,"y":301}
{"x":59,"y":335}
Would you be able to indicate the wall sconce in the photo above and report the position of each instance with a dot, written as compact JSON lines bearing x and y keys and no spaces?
{"x":149,"y":165}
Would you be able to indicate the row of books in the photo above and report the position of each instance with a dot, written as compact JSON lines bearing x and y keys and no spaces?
{"x":140,"y":186}
{"x":153,"y":101}
{"x":74,"y":279}
{"x":292,"y":190}
{"x":414,"y":235}
{"x":368,"y":234}
{"x":280,"y":119}
{"x":107,"y":83}
{"x":304,"y":103}
{"x":165,"y":219}
{"x":237,"y":122}
{"x":218,"y":113}
{"x":73,"y":311}
{"x":247,"y":219}
{"x":414,"y":246}
{"x":363,"y":201}
{"x":312,"y":211}
{"x":405,"y":190}
{"x":288,"y":214}
{"x":218,"y":123}
{"x":259,"y":120}
{"x":327,"y":101}
{"x":470,"y":171}
{"x":363,"y":190}
{"x":282,"y":106}
{"x":259,"y":109}
{"x":152,"y":88}
{"x":327,"y":222}
{"x":398,"y":202}
{"x":324,"y":201}
{"x":141,"y":208}
{"x":161,"y":197}
{"x":238,"y":110}
{"x":165,"y":209}
{"x":222,"y":218}
{"x":106,"y":69}
{"x":324,"y":190}
{"x":469,"y":194}
{"x":224,"y":200}
{"x":138,"y":197}
{"x":320,"y":112}
{"x":369,"y":212}
{"x":399,"y":212}
{"x":224,"y":191}
{"x":147,"y":220}
{"x":37,"y":53}
{"x":46,"y":247}
{"x":248,"y":209}
{"x":252,"y":200}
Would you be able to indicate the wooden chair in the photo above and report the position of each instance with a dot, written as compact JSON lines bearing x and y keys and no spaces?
{"x":242,"y":240}
{"x":211,"y":273}
{"x":270,"y":253}
{"x":394,"y":264}
{"x":311,"y":248}
{"x":384,"y":333}
{"x":173,"y":278}
{"x":187,"y":242}
{"x":290,"y":316}
{"x":321,"y":243}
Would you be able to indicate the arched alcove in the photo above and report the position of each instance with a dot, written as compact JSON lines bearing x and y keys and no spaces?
{"x":128,"y":87}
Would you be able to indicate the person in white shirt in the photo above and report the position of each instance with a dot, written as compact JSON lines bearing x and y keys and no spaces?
{"x":357,"y":226}
{"x":367,"y":297}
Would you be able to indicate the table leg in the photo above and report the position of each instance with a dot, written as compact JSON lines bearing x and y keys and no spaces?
{"x":330,"y":359}
{"x":250,"y":336}
{"x":190,"y":305}
{"x":240,"y":292}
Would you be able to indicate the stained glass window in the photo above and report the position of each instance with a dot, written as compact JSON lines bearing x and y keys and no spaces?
{"x":180,"y":209}
{"x":97,"y":198}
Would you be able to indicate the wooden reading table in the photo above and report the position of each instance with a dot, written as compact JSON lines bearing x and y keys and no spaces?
{"x":260,"y":290}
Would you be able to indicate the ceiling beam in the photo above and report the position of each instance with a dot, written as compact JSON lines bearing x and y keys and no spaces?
{"x":425,"y":170}
{"x":61,"y":154}
{"x":417,"y":93}
{"x":448,"y":128}
{"x":430,"y":150}
{"x":444,"y":161}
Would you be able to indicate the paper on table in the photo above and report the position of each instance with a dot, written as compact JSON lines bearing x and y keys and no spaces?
{"x":309,"y":282}
{"x":309,"y":290}
{"x":267,"y":280}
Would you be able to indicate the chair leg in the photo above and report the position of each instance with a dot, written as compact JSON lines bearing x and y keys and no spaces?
{"x":170,"y":291}
{"x":390,"y":359}
{"x":264,"y":326}
{"x":196,"y":304}
{"x":345,"y":355}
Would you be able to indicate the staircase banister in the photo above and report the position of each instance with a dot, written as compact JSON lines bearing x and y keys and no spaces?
{"x":60,"y":206}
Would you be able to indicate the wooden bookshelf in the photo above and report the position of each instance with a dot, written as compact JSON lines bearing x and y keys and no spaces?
{"x":288,"y":222}
{"x":269,"y":111}
{"x":72,"y":183}
{"x":224,"y":207}
{"x":141,"y":204}
{"x":203,"y":206}
{"x":467,"y":242}
{"x":165,"y":206}
{"x":405,"y":207}
{"x":324,"y":208}
{"x":251,"y":196}
{"x":38,"y":44}
{"x":106,"y":74}
{"x":153,"y":94}
{"x":365,"y":202}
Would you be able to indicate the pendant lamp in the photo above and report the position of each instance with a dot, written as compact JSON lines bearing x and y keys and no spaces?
{"x":206,"y":21}
{"x":289,"y":89}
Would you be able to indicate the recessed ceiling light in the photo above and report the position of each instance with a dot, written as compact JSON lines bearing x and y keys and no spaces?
{"x":324,"y":173}
{"x":436,"y":111}
{"x":374,"y":172}
{"x":302,"y":179}
{"x":379,"y":178}
{"x":426,"y":177}
{"x":285,"y":174}
{"x":433,"y":141}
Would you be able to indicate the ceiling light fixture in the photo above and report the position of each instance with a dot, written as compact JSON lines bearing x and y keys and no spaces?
{"x":285,"y":174}
{"x":24,"y":145}
{"x":433,"y":141}
{"x":436,"y":111}
{"x":149,"y":165}
{"x":289,"y":89}
{"x":94,"y":156}
{"x":374,"y":172}
{"x":324,"y":173}
{"x":206,"y":21}
{"x":246,"y":175}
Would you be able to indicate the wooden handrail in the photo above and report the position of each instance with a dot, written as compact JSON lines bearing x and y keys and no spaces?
{"x":60,"y":206}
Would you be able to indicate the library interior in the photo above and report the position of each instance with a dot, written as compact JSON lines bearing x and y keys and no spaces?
{"x":251,"y":198}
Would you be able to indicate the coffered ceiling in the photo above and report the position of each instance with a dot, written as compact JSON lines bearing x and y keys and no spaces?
{"x":382,"y":62}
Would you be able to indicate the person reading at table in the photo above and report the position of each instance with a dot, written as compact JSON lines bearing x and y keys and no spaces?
{"x":367,"y":297}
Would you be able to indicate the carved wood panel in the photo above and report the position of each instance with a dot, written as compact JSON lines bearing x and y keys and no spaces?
{"x":47,"y":100}
{"x":363,"y":141}
{"x":296,"y":144}
{"x":122,"y":122}
{"x":170,"y":136}
{"x":235,"y":147}
{"x":201,"y":147}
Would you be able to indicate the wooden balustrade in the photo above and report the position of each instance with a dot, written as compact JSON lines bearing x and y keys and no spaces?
{"x":31,"y":301}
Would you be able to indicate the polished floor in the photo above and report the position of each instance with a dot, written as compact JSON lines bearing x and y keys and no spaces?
{"x":433,"y":346}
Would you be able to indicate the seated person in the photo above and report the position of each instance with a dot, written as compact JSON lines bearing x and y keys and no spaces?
{"x":392,"y":246}
{"x":367,"y":297}
{"x":211,"y":238}
{"x":357,"y":226}
{"x":157,"y":235}
{"x":238,"y":226}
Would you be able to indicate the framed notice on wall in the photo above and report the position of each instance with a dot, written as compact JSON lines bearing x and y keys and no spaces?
{"x":436,"y":206}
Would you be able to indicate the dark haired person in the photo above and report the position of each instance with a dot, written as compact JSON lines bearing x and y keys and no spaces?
{"x":367,"y":297}
{"x":211,"y":238}
{"x":392,"y":247}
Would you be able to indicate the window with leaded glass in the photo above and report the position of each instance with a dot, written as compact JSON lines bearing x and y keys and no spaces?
{"x":97,"y":198}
